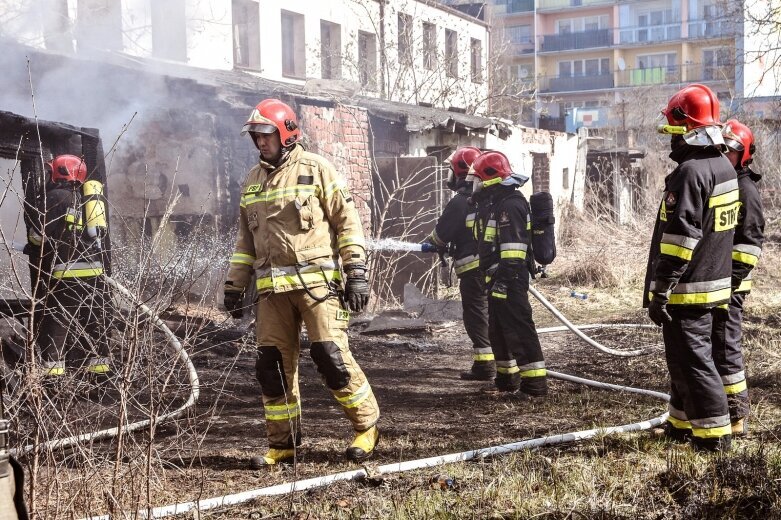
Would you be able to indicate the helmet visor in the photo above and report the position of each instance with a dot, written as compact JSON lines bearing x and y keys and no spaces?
{"x":258,"y":128}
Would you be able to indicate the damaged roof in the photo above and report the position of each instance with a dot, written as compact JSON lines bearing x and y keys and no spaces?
{"x":420,"y":118}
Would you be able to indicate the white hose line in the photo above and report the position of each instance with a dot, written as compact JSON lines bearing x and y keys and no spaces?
{"x":113,"y":432}
{"x":317,"y":482}
{"x":548,"y":305}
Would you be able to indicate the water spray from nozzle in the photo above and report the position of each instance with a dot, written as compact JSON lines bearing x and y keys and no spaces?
{"x":393,"y":244}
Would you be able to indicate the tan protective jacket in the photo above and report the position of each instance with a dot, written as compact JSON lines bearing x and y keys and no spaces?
{"x":295,"y":222}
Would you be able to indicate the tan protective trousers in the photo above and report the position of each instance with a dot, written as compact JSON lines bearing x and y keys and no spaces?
{"x":279,"y":318}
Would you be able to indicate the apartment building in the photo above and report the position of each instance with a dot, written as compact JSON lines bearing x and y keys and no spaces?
{"x":584,"y":57}
{"x":411,"y":51}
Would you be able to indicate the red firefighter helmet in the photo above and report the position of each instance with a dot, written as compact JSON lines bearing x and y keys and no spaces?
{"x":740,"y":138}
{"x":461,"y":160}
{"x":68,"y":168}
{"x":272,"y":115}
{"x":492,"y":168}
{"x":694,"y":106}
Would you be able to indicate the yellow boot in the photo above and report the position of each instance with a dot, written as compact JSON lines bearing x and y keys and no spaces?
{"x":272,"y":457}
{"x":363,"y":445}
{"x":739,"y":428}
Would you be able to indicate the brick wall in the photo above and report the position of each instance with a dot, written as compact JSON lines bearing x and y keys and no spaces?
{"x":341,"y":135}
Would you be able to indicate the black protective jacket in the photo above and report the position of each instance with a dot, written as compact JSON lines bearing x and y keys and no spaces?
{"x":68,"y":252}
{"x":750,"y":231}
{"x":454,"y":230}
{"x":502,"y":229}
{"x":691,"y":247}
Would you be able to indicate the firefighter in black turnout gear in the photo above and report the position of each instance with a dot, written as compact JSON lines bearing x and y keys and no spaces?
{"x":746,"y":250}
{"x":690,"y":266}
{"x":502,"y":229}
{"x":72,"y":224}
{"x":454,"y":230}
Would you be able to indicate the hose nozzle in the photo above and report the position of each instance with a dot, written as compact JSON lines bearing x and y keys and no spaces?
{"x":428,"y":248}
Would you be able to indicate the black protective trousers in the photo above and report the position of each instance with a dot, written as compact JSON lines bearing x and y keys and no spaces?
{"x":73,"y":327}
{"x":697,"y":395}
{"x":728,"y":355}
{"x":474,"y":303}
{"x":514,"y":338}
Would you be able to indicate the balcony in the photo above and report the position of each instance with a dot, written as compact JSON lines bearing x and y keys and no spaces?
{"x":543,"y":5}
{"x":576,"y":40}
{"x":650,"y":34}
{"x":520,"y":48}
{"x":674,"y":75}
{"x":575,"y":83}
{"x":649,"y":76}
{"x":716,"y":28}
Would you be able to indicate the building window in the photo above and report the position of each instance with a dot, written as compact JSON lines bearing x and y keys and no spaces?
{"x":451,"y":53}
{"x":330,"y":50}
{"x":565,"y":178}
{"x":588,"y":67}
{"x":588,"y":23}
{"x":519,"y":34}
{"x":293,"y":45}
{"x":169,"y":30}
{"x":405,"y":39}
{"x":657,"y":61}
{"x":717,"y":64}
{"x":367,"y":59}
{"x":56,"y":34}
{"x":99,"y":25}
{"x":246,"y":34}
{"x":522,"y":72}
{"x":476,"y":54}
{"x":429,"y":46}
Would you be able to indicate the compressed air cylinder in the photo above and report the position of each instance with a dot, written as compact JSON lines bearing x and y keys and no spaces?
{"x":94,"y":209}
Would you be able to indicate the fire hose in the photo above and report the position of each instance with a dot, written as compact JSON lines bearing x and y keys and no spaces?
{"x":176,"y":347}
{"x":317,"y":482}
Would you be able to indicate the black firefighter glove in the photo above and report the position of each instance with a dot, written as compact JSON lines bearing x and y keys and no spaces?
{"x":657,"y":308}
{"x":233,"y":298}
{"x":356,"y":288}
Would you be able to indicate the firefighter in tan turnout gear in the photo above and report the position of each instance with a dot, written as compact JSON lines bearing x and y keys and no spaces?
{"x":298,"y":231}
{"x":690,"y":266}
{"x":455,"y":229}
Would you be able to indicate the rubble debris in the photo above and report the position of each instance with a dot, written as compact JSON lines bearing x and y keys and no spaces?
{"x":395,"y":322}
{"x":431,"y":311}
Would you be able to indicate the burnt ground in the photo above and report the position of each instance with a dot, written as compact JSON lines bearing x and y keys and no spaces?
{"x":426,"y":409}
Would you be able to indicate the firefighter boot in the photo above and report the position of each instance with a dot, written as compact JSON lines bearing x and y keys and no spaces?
{"x":363,"y":445}
{"x":740,"y":427}
{"x":671,"y":433}
{"x":481,"y":371}
{"x":273,"y":457}
{"x":714,"y":444}
{"x":507,"y":382}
